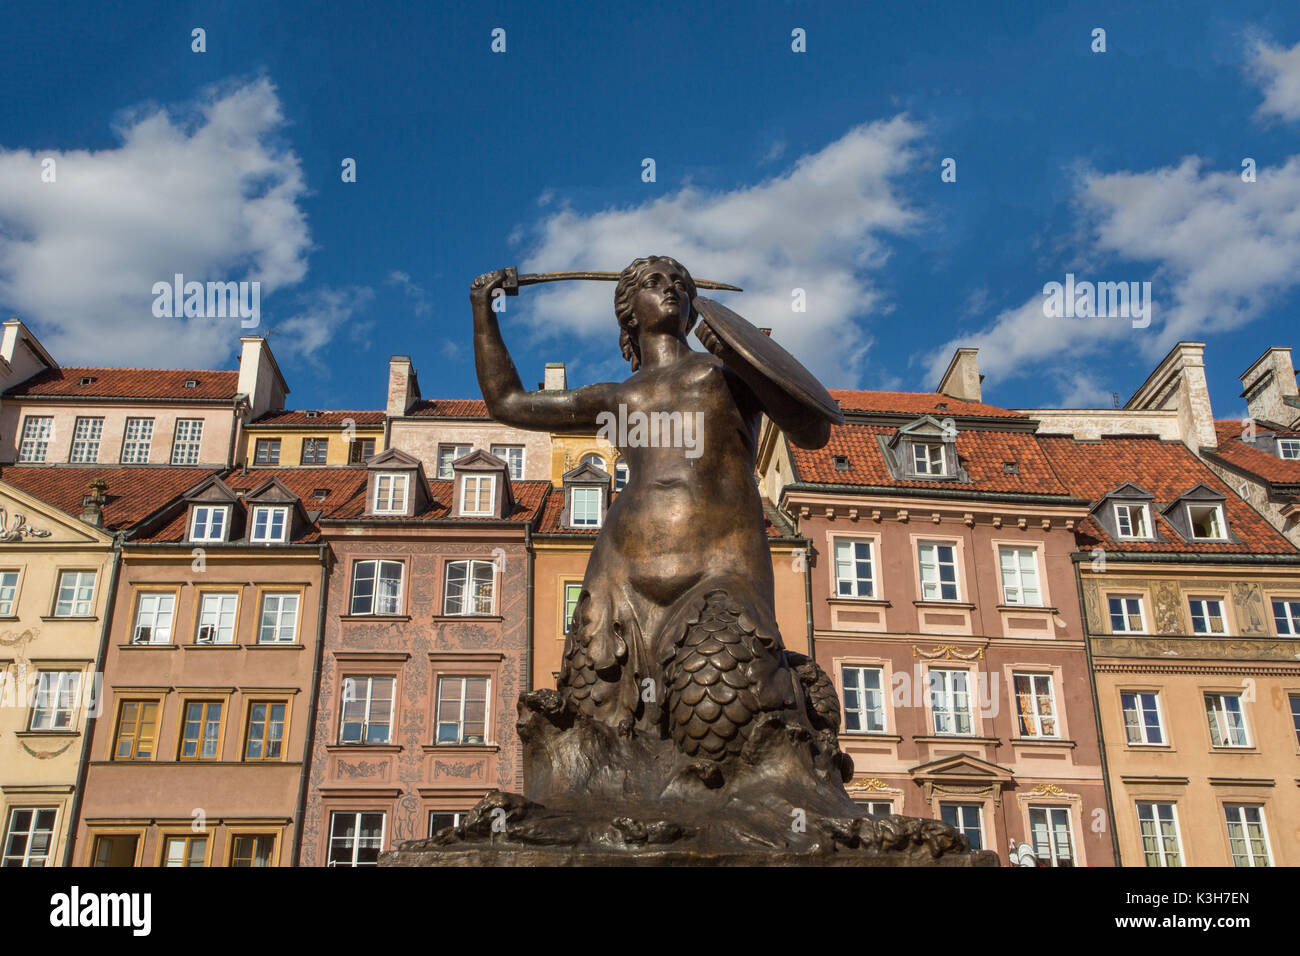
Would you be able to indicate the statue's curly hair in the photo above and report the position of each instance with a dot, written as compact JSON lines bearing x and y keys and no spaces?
{"x":628,"y":281}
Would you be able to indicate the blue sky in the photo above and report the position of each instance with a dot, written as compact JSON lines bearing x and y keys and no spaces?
{"x":775,"y":170}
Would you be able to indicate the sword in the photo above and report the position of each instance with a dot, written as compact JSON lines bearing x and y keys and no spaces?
{"x":514,"y":280}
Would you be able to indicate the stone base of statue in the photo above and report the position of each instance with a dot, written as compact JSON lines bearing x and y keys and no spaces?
{"x":596,"y":796}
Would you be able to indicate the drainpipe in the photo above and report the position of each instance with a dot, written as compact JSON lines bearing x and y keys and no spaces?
{"x":295,"y":850}
{"x":74,"y":817}
{"x":528,"y":612}
{"x":1096,"y":716}
{"x":807,"y":595}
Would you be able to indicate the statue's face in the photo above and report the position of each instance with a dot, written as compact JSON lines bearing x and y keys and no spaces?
{"x":663,"y":300}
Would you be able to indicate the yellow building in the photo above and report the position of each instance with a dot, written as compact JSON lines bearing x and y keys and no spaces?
{"x":313,"y":437}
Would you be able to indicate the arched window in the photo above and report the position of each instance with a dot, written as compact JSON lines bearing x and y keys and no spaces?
{"x":620,"y":475}
{"x":595,"y":460}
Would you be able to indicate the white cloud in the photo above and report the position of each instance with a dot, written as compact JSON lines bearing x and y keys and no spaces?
{"x":322,"y":315}
{"x":1277,"y":70}
{"x":208,"y":192}
{"x":818,"y":226}
{"x":414,"y":292}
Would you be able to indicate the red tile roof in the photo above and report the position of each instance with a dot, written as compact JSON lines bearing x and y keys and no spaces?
{"x":981,"y":453}
{"x":1167,"y":470}
{"x":917,"y":403}
{"x":550,"y":523}
{"x":1234,"y":451}
{"x":133,"y":493}
{"x":450,"y":408}
{"x":529,"y":497}
{"x":322,"y":418}
{"x":149,"y":383}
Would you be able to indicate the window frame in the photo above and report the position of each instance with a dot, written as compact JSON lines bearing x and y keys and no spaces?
{"x":195,"y":425}
{"x":140,"y":595}
{"x":863,"y":692}
{"x":167,"y":837}
{"x":370,"y":677}
{"x":1159,"y":835}
{"x":1130,"y":506}
{"x":1141,"y":607}
{"x":73,"y":710}
{"x":491,"y":493}
{"x":94,"y":423}
{"x":284,"y":510}
{"x":18,"y":591}
{"x":438,"y":722}
{"x":1035,"y":717}
{"x":358,"y":815}
{"x":212,"y":510}
{"x":1048,"y":810}
{"x":1291,"y":443}
{"x":960,"y":807}
{"x":1223,"y":696}
{"x":836,"y":580}
{"x":1263,"y":830}
{"x":378,"y":563}
{"x":43,"y":440}
{"x":279,"y":592}
{"x":357,"y":450}
{"x":567,"y":614}
{"x":950,"y":711}
{"x":467,"y":595}
{"x":142,"y":701}
{"x":448,"y":473}
{"x":58,"y":589}
{"x":925,"y":451}
{"x":1220,"y":521}
{"x":202,"y":595}
{"x":1205,"y":601}
{"x":242,"y":834}
{"x":27,"y":856}
{"x":285,"y":722}
{"x":1036,"y":558}
{"x":204,"y":701}
{"x":937,"y":543}
{"x":392,"y":507}
{"x":589,"y":493}
{"x":1291,"y":615}
{"x":497,"y":450}
{"x":271,"y":446}
{"x":130,"y":452}
{"x":1140,"y":711}
{"x":319,"y":450}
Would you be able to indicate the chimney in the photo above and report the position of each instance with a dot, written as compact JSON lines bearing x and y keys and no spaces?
{"x":1178,"y":384}
{"x":21,"y":355}
{"x":403,"y":386}
{"x":259,"y":377}
{"x":92,"y":505}
{"x":556,"y":378}
{"x":963,"y":378}
{"x":1268,"y":383}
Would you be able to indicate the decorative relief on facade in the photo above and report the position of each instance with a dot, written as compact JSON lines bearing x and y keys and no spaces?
{"x":1195,"y":648}
{"x":461,"y":771}
{"x":948,"y":652}
{"x":1047,"y":790}
{"x":1092,"y":608}
{"x":933,"y":790}
{"x":1169,"y":614}
{"x":18,"y":528}
{"x":46,"y":754}
{"x":363,"y":769}
{"x":871,"y":785}
{"x":1248,"y":603}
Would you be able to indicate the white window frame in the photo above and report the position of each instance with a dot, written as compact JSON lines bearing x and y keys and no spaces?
{"x":513,"y":456}
{"x":354,"y":680}
{"x":372,"y":604}
{"x":28,"y":857}
{"x":280,"y":599}
{"x":264,"y":537}
{"x":576,"y":588}
{"x":930,"y":455}
{"x":1220,"y":524}
{"x":938,"y":582}
{"x":467,"y":599}
{"x":463,"y":679}
{"x":156,"y":612}
{"x":1290,"y":615}
{"x":877,"y":808}
{"x":87,"y":432}
{"x":445,"y":471}
{"x":478,"y":485}
{"x":1217,"y":702}
{"x":137,"y":441}
{"x":848,"y":568}
{"x":357,"y":838}
{"x":1126,"y":513}
{"x":36,"y":435}
{"x":1288,"y":448}
{"x":187,"y":441}
{"x":388,"y":501}
{"x":54,"y":706}
{"x":203,"y":530}
{"x":76,"y":606}
{"x":960,"y":816}
{"x":1052,"y":831}
{"x":1206,"y":616}
{"x":1141,"y":613}
{"x":622,"y":474}
{"x":457,"y":818}
{"x":1153,"y":829}
{"x":944,"y":701}
{"x":588,"y":493}
{"x":1020,"y":572}
{"x":10,"y":591}
{"x":1140,"y":712}
{"x":853,"y":681}
{"x":1035,"y":719}
{"x":1239,"y":811}
{"x":211,"y":617}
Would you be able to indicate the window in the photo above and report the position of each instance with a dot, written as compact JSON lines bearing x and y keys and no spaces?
{"x":966,"y":818}
{"x":1286,"y":615}
{"x":1126,"y":615}
{"x":1206,"y":522}
{"x":877,"y":808}
{"x":279,"y":623}
{"x":201,"y":730}
{"x":29,"y":836}
{"x":390,"y":494}
{"x":315,"y":451}
{"x":950,"y":701}
{"x":116,"y":850}
{"x":1227,"y":720}
{"x":571,"y":592}
{"x":512,"y":455}
{"x":75,"y":595}
{"x":8,"y":593}
{"x":209,"y":522}
{"x":356,"y":839}
{"x":35,"y":442}
{"x":1142,"y":723}
{"x":1295,"y":715}
{"x":595,"y":461}
{"x":864,"y":700}
{"x":476,"y":493}
{"x":441,"y":819}
{"x":367,"y":709}
{"x":938,"y":571}
{"x":359,"y":449}
{"x":153,"y":619}
{"x":927,"y":458}
{"x":585,"y":507}
{"x":1247,"y":837}
{"x":1207,"y":616}
{"x":265,"y":738}
{"x":137,"y":730}
{"x":252,"y":849}
{"x":1288,"y":447}
{"x":1050,"y":829}
{"x":854,"y":569}
{"x":469,"y":587}
{"x":1020,"y":576}
{"x":621,"y":475}
{"x":270,"y":523}
{"x":185,"y":442}
{"x":447,"y":454}
{"x":267,"y":451}
{"x":136,"y":439}
{"x":1131,"y":521}
{"x":217,"y":618}
{"x":1158,"y":827}
{"x":1035,"y":705}
{"x":185,"y":851}
{"x":462,"y":710}
{"x":56,"y":700}
{"x":376,"y":587}
{"x":86,"y":433}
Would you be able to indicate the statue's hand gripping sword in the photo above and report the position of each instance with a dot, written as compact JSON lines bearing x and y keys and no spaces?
{"x":514,"y":280}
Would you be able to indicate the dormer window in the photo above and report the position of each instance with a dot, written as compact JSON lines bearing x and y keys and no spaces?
{"x":927,"y":458}
{"x":841,"y":462}
{"x":1206,"y":522}
{"x":1132,"y":521}
{"x":477,"y":493}
{"x":270,"y":524}
{"x":312,"y":414}
{"x":87,"y":380}
{"x":191,"y":383}
{"x":209,"y":522}
{"x":1288,"y":448}
{"x":586,"y":507}
{"x":390,"y":494}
